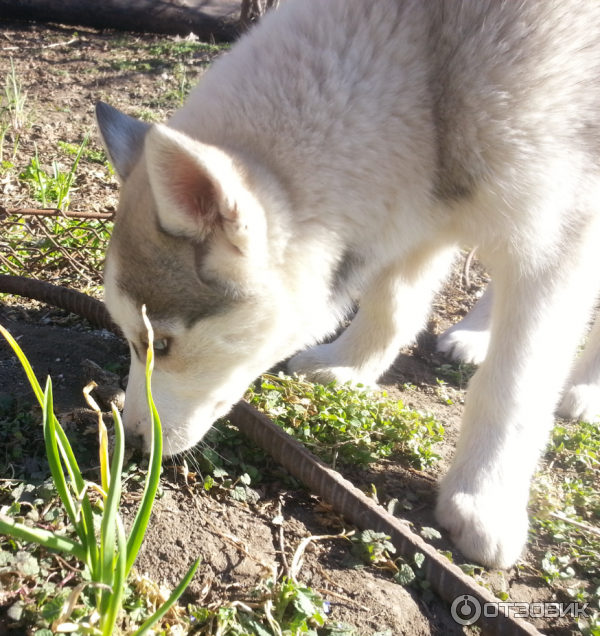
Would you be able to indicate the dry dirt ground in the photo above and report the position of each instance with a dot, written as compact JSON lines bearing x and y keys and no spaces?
{"x":65,"y":71}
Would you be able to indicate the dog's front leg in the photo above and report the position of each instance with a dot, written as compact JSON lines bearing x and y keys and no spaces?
{"x":392,"y":311}
{"x":536,"y":323}
{"x":581,"y":399}
{"x":468,"y":340}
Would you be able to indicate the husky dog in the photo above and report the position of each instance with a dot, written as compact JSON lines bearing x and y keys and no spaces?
{"x":347,"y":147}
{"x":468,"y":341}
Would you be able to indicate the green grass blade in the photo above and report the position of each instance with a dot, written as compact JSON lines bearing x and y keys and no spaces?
{"x":40,"y":177}
{"x":88,"y":528}
{"x":48,"y":539}
{"x":68,"y":179}
{"x":69,"y":458}
{"x":120,"y":576}
{"x":54,"y":458}
{"x":85,"y":527}
{"x":16,"y":146}
{"x":142,"y":517}
{"x":163,"y":609}
{"x":59,"y":185}
{"x":78,"y":157}
{"x":138,"y":529}
{"x":111,"y":505}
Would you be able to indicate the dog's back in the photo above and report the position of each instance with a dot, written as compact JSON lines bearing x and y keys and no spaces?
{"x":511,"y":83}
{"x":449,"y":96}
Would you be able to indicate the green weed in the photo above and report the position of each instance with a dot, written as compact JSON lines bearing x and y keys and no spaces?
{"x":590,"y":626}
{"x":347,"y":424}
{"x":148,"y":115}
{"x":284,"y":608}
{"x":374,"y":548}
{"x":371,"y":547}
{"x":578,"y":444}
{"x":4,"y":128}
{"x":5,"y":166}
{"x":565,"y":501}
{"x":13,"y":112}
{"x":90,"y":154}
{"x":556,"y":567}
{"x":15,"y":98}
{"x":133,"y":65}
{"x":179,"y":50}
{"x":121,"y":41}
{"x":95,"y":156}
{"x":185,"y":84}
{"x":183,"y":87}
{"x":459,"y":373}
{"x":55,"y":188}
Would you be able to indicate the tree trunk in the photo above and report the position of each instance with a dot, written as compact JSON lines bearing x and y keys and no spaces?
{"x":253,"y":10}
{"x":205,"y":18}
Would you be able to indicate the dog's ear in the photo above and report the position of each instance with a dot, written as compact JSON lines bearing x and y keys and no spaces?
{"x":198,"y":189}
{"x":122,"y":137}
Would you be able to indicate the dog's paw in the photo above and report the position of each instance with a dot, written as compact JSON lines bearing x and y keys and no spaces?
{"x":485,"y":527}
{"x":318,"y":364}
{"x":581,"y":402}
{"x":464,"y":345}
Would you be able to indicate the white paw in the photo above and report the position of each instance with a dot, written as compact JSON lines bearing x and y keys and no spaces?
{"x":486,"y":527}
{"x":318,"y":364}
{"x":464,"y":345}
{"x":581,"y":402}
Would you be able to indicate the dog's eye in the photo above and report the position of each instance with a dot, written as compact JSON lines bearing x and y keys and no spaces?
{"x":160,"y":345}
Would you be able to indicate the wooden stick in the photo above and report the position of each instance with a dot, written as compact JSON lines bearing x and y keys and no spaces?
{"x":56,"y":212}
{"x":577,"y":524}
{"x":47,"y":46}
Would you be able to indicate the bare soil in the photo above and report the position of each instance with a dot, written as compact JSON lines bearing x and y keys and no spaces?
{"x":236,"y":540}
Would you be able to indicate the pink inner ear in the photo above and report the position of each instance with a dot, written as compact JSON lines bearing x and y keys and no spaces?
{"x":193,"y":190}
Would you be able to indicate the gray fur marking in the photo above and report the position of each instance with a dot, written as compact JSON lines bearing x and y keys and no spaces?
{"x":170,"y":266}
{"x":162,"y":271}
{"x":345,"y":275}
{"x":505,"y":50}
{"x":122,"y":137}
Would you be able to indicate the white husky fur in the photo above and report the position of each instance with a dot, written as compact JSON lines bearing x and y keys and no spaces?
{"x":344,"y":148}
{"x":468,"y":341}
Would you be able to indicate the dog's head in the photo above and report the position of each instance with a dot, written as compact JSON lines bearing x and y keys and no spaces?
{"x":191,"y":243}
